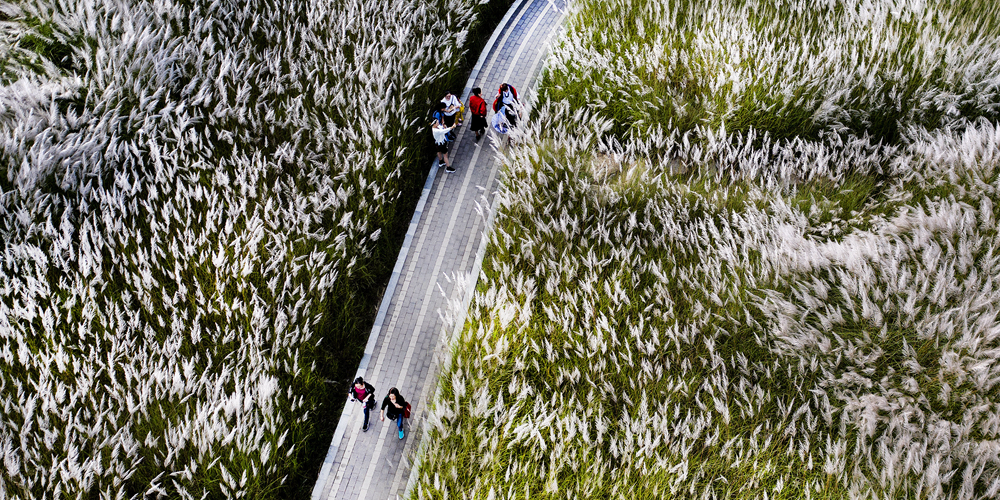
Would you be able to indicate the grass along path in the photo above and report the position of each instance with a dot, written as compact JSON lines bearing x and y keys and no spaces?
{"x":677,"y":311}
{"x":404,"y":346}
{"x":192,"y":210}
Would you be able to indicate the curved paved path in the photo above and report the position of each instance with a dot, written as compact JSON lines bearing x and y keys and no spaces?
{"x":441,"y":250}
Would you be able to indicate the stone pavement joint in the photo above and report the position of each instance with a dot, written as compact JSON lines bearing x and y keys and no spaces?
{"x":440,"y":260}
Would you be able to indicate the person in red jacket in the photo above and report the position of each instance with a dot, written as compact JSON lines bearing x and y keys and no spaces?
{"x":477,"y":105}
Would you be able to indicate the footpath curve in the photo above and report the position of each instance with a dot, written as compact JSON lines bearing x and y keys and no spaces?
{"x":440,"y":259}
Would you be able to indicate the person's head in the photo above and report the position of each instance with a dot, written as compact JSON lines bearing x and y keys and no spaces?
{"x":439,"y":106}
{"x":504,"y":87}
{"x":393,"y":394}
{"x":447,"y":94}
{"x":359,"y":383}
{"x":477,"y":91}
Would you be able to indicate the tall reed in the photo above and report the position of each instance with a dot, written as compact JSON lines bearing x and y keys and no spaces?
{"x":675,"y":309}
{"x":189,"y":192}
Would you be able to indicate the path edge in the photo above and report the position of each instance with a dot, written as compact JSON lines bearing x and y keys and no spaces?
{"x":473,"y":277}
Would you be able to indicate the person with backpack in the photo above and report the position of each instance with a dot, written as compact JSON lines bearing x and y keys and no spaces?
{"x":477,"y":105}
{"x":507,"y":96}
{"x":398,"y":409}
{"x":364,"y":393}
{"x":438,"y":113}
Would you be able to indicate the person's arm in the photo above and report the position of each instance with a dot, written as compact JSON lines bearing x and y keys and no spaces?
{"x":370,"y":389}
{"x":381,"y":413}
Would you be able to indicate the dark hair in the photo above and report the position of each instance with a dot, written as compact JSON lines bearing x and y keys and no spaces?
{"x":395,"y":392}
{"x":504,"y":86}
{"x":439,"y":106}
{"x":477,"y":91}
{"x":359,"y":380}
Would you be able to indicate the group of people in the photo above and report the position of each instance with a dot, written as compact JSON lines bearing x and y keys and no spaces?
{"x":448,"y":113}
{"x":393,"y":405}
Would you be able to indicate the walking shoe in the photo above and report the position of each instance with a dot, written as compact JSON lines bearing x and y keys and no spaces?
{"x":449,"y":169}
{"x":364,"y":428}
{"x":400,"y":434}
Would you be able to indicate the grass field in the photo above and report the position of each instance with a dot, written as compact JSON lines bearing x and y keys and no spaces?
{"x":689,"y":296}
{"x":197,"y":205}
{"x":789,"y":68}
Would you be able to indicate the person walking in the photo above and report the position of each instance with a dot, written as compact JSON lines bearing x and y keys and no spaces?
{"x":364,"y":393}
{"x":477,"y":105}
{"x":441,"y":139}
{"x":397,"y":409}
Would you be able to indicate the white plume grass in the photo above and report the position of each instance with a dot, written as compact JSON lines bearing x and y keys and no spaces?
{"x":681,"y":300}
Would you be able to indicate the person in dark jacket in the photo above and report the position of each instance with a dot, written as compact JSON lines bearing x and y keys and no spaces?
{"x":364,"y":393}
{"x":396,"y":407}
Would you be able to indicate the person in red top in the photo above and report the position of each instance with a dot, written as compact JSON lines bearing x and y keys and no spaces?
{"x":478,"y":107}
{"x":365,"y":393}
